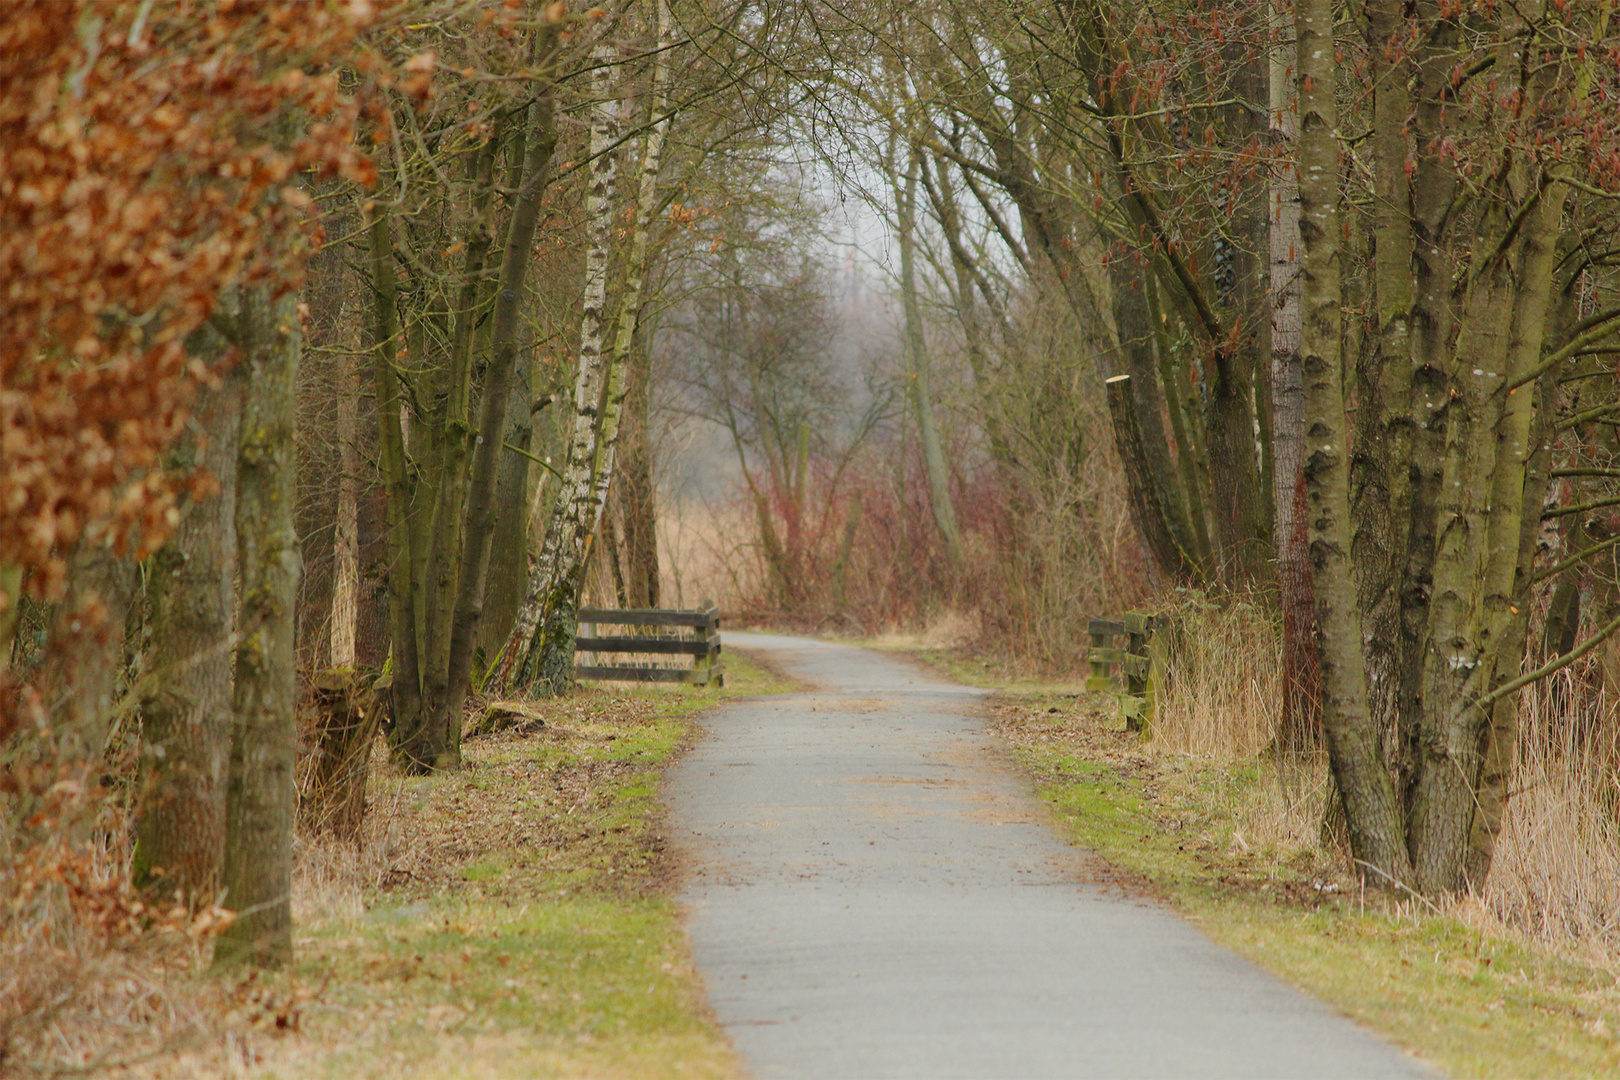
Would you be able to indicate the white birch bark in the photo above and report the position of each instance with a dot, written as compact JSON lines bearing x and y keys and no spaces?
{"x":577,"y":490}
{"x":541,"y":643}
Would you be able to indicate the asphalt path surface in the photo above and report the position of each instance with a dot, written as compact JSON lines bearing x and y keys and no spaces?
{"x":872,"y":890}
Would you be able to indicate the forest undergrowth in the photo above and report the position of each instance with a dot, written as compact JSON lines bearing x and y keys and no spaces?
{"x":507,"y":919}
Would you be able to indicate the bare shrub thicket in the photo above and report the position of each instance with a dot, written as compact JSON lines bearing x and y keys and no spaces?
{"x":867,"y":558}
{"x":833,"y":527}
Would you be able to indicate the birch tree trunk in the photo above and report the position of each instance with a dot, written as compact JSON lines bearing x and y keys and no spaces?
{"x":541,"y":648}
{"x":549,"y":603}
{"x":1302,"y":677}
{"x":261,"y":798}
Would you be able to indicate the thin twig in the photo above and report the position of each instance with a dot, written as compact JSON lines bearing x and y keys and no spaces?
{"x":1546,"y":669}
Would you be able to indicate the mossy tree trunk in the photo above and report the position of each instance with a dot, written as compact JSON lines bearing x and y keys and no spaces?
{"x":186,"y":699}
{"x":261,"y":799}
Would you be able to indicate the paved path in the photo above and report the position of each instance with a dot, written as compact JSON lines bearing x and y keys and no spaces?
{"x":873,"y":891}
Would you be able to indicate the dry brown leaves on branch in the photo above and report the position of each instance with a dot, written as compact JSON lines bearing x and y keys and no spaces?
{"x":149,"y":164}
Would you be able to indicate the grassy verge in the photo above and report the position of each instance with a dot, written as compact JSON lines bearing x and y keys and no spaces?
{"x":508,"y":920}
{"x":1448,"y":984}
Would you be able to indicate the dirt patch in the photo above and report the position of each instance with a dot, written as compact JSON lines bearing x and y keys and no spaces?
{"x":924,"y":780}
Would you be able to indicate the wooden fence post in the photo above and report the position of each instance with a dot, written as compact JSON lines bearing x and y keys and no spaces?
{"x":704,"y":664}
{"x":1135,"y":682}
{"x":1139,"y":683}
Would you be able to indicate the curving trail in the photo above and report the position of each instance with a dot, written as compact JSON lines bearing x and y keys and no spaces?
{"x":873,"y":891}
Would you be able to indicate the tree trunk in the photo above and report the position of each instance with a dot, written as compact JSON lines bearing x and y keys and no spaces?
{"x":540,"y":142}
{"x":186,"y":717}
{"x":1371,"y":810}
{"x":1480,"y":563}
{"x":636,"y":489}
{"x":1148,"y":516}
{"x":969,"y":278}
{"x":1429,"y":329}
{"x":541,"y":648}
{"x":1381,"y":475}
{"x":1179,"y":550}
{"x":372,"y":625}
{"x":1502,"y":740}
{"x":86,"y":655}
{"x":535,"y":651}
{"x":508,"y":570}
{"x":1300,"y":725}
{"x":404,"y":686}
{"x":441,"y":746}
{"x":345,"y":534}
{"x":261,"y":797}
{"x":920,"y":384}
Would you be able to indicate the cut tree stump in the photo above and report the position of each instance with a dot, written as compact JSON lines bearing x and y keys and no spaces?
{"x":346,"y":723}
{"x":506,"y":716}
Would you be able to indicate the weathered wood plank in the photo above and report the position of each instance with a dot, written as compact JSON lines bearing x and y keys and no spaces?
{"x":1129,"y":663}
{"x":650,"y":645}
{"x":1135,"y":623}
{"x":633,"y":673}
{"x":709,"y":619}
{"x":1106,"y":627}
{"x":1107,"y":683}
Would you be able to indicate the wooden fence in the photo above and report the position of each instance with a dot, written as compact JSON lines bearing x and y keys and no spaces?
{"x":1135,"y":682}
{"x":652,"y":632}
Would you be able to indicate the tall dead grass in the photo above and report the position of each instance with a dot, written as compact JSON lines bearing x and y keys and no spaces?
{"x":1219,"y":675}
{"x":1556,"y":874}
{"x":1220,"y":678}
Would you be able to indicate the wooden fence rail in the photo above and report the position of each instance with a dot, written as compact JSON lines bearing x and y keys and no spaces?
{"x":1135,"y":682}
{"x":661,"y":637}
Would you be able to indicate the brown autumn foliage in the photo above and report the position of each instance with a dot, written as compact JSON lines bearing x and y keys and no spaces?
{"x":155,"y":157}
{"x":148,"y":166}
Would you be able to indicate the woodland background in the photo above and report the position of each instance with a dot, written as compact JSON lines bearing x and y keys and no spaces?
{"x":353,"y":346}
